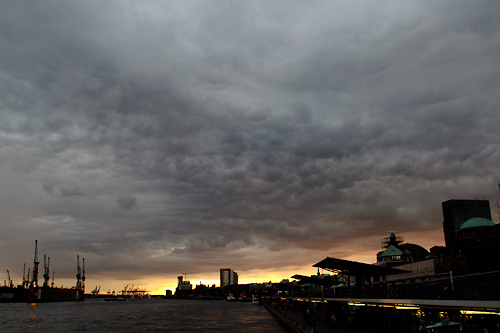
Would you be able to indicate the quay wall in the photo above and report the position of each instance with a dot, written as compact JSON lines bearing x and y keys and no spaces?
{"x":288,"y":324}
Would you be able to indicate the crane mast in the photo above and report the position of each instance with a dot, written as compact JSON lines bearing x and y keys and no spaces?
{"x":83,"y":276}
{"x":11,"y":284}
{"x":24,"y":276}
{"x":78,"y":273}
{"x":46,"y":270}
{"x":34,"y":274}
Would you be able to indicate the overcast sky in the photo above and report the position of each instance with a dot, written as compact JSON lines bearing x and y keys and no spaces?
{"x":161,"y":137}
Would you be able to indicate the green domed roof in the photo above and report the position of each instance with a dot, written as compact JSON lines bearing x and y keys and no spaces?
{"x":476,"y":222}
{"x":391,"y":254}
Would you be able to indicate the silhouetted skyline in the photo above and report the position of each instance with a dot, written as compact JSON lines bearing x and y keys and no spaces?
{"x":161,"y":137}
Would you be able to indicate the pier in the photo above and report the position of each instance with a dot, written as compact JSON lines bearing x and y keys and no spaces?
{"x":382,"y":315}
{"x":374,"y":299}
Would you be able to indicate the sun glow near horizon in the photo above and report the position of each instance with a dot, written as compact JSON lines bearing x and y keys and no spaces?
{"x":156,"y":285}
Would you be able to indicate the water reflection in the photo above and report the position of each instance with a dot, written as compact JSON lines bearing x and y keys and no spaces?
{"x":32,"y":319}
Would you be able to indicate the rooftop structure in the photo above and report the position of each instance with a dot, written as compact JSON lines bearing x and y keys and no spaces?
{"x":392,"y":254}
{"x":476,"y":222}
{"x":395,"y":252}
{"x":361,"y":271}
{"x":391,"y":240}
{"x":456,"y":212}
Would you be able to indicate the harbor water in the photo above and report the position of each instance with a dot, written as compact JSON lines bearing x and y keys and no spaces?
{"x":137,"y":315}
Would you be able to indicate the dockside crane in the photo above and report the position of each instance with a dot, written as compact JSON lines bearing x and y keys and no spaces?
{"x":10,"y":283}
{"x":78,"y":273}
{"x":96,"y":291}
{"x":46,"y":270}
{"x":34,"y":275}
{"x":83,"y":277}
{"x":53,"y":273}
{"x":25,"y":282}
{"x":28,"y":277}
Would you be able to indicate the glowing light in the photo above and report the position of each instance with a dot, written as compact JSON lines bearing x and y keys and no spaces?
{"x":357,"y":304}
{"x":469,"y":312}
{"x":405,"y":307}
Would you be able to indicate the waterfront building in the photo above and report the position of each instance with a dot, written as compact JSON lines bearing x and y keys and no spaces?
{"x":184,"y":288}
{"x":456,"y":212}
{"x":478,"y":244}
{"x":396,"y":253}
{"x":183,"y":284}
{"x":228,"y":277}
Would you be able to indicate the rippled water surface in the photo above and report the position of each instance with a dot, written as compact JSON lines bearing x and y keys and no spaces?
{"x":137,"y":315}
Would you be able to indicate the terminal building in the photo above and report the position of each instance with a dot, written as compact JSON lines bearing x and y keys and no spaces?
{"x":395,"y":253}
{"x":412,"y":258}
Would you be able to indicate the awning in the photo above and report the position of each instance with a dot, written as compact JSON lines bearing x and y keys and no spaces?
{"x":357,"y":268}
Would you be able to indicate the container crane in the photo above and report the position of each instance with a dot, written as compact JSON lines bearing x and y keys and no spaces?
{"x":96,"y":291}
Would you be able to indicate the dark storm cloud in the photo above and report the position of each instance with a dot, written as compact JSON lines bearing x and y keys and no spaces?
{"x":127,"y":203}
{"x":247,"y":130}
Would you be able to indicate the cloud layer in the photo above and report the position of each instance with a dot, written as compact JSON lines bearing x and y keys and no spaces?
{"x":156,"y":137}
